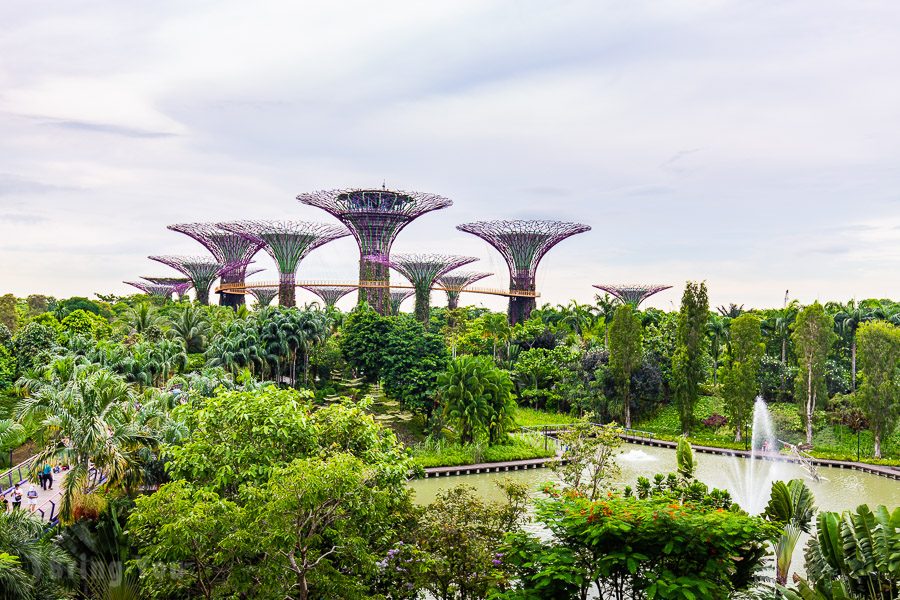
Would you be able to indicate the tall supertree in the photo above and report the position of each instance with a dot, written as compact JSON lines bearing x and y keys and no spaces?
{"x":264,"y":295}
{"x":202,"y":271}
{"x":375,"y":217}
{"x":153,"y":289}
{"x":229,"y":248}
{"x":422,"y":270}
{"x":523,"y":244}
{"x":632,"y":294}
{"x":397,"y":298}
{"x":287,"y":242}
{"x":454,"y":283}
{"x":330,"y":294}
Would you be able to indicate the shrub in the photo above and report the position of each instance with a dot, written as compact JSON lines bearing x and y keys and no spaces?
{"x":714,"y":421}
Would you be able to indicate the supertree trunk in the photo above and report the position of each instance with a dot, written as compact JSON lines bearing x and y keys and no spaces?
{"x":378,"y":298}
{"x":452,"y":300}
{"x":520,"y":309}
{"x":287,"y":291}
{"x":423,"y":304}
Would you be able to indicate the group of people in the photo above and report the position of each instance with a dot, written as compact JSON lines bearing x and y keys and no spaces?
{"x":14,"y":501}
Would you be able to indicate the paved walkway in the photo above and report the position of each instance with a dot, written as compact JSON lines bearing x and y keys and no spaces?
{"x":47,"y":501}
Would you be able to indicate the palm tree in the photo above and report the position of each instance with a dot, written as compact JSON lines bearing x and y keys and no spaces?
{"x":779,"y":325}
{"x":847,"y":320}
{"x":606,"y":308}
{"x":166,"y":357}
{"x":29,"y":559}
{"x":191,"y":325}
{"x":791,"y":506}
{"x":144,"y":318}
{"x":477,"y":398}
{"x":496,"y":326}
{"x":717,"y":328}
{"x":89,"y":422}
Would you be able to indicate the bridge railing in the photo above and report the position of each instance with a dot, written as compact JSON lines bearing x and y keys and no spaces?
{"x":241,"y":288}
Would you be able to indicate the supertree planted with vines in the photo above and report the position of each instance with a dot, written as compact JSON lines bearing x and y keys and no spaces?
{"x":523,"y":244}
{"x":264,"y":295}
{"x":632,"y":294}
{"x":457,"y":282}
{"x":153,"y":289}
{"x":229,"y":248}
{"x":201,"y":270}
{"x":375,"y":218}
{"x":287,"y":242}
{"x":330,"y":294}
{"x":397,"y":298}
{"x":422,"y":270}
{"x":180,"y":285}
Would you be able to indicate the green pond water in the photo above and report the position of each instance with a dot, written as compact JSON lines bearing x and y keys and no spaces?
{"x":839,"y":489}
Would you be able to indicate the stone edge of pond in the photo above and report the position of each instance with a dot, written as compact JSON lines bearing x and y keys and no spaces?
{"x":536,"y":463}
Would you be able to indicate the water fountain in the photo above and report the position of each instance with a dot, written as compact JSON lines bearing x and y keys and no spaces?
{"x":753,"y":478}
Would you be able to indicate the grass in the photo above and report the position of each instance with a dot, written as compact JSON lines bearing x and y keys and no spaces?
{"x":832,"y":442}
{"x":443,"y":454}
{"x":530,"y":417}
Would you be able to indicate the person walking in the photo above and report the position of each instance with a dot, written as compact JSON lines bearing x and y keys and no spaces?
{"x":32,"y":498}
{"x":16,"y":497}
{"x":47,"y":477}
{"x":5,"y":503}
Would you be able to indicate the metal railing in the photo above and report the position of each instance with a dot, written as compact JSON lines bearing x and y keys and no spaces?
{"x":241,"y":288}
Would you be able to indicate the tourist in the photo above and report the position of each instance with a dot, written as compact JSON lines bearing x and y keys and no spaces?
{"x":32,"y":498}
{"x":17,"y":497}
{"x":47,"y":477}
{"x":5,"y":507}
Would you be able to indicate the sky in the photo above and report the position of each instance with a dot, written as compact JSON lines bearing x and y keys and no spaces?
{"x":754,"y":145}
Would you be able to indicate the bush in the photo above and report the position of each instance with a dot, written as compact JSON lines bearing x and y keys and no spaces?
{"x":714,"y":421}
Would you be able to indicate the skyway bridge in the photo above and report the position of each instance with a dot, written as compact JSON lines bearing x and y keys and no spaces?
{"x":243,"y":288}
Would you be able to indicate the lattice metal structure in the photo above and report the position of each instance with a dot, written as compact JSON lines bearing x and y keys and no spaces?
{"x":153,"y":289}
{"x":263,"y":295}
{"x":397,"y":298}
{"x":229,"y":248}
{"x":422,"y":270}
{"x":632,"y":294}
{"x":287,"y":242}
{"x":375,"y":218}
{"x":523,"y":244}
{"x":202,"y":271}
{"x":455,"y":283}
{"x":179,"y":284}
{"x":330,"y":294}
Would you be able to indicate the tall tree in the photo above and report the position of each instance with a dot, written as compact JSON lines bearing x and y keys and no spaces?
{"x":848,"y":320}
{"x":879,"y":392}
{"x":625,"y":340}
{"x":717,"y":329}
{"x":813,"y":337}
{"x":740,"y":377}
{"x":687,"y":362}
{"x":8,"y":314}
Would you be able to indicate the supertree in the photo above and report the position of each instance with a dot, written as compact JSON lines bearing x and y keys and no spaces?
{"x":454,"y":283}
{"x":287,"y":242}
{"x":397,"y":298}
{"x":153,"y":289}
{"x":523,"y":244}
{"x":375,"y":217}
{"x":264,"y":295}
{"x":202,"y":271}
{"x":632,"y":294}
{"x":229,"y":248}
{"x":330,"y":294}
{"x":180,"y":285}
{"x":422,"y":270}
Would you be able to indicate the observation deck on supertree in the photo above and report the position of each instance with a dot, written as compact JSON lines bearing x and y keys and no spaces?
{"x":375,"y":218}
{"x":422,"y":270}
{"x":153,"y":289}
{"x":330,"y":294}
{"x":632,"y":294}
{"x":180,"y":284}
{"x":287,"y":242}
{"x":397,"y":298}
{"x":523,"y":244}
{"x":455,"y":283}
{"x":229,"y":248}
{"x":263,"y":295}
{"x":202,"y":271}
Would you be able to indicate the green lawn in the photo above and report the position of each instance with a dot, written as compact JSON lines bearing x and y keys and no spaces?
{"x":530,"y":417}
{"x":442,"y":454}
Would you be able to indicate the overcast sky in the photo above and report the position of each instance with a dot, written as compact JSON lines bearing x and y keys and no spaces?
{"x":755,"y":145}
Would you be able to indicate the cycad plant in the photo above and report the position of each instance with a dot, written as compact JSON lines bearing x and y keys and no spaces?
{"x":477,"y":399}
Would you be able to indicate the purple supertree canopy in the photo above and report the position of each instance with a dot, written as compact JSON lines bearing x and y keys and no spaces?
{"x":167,"y":280}
{"x":422,"y":269}
{"x":330,"y":294}
{"x":153,"y":289}
{"x":523,"y":243}
{"x":227,"y":246}
{"x":264,"y":295}
{"x":455,"y":282}
{"x":397,"y":298}
{"x":632,"y":294}
{"x":202,"y":271}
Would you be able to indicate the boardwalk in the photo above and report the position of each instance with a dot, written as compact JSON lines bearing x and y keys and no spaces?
{"x":48,"y":500}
